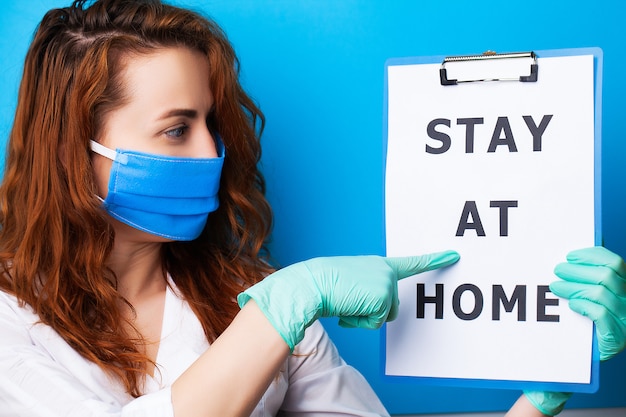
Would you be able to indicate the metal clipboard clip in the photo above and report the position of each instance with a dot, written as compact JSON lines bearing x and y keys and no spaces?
{"x":489,"y":55}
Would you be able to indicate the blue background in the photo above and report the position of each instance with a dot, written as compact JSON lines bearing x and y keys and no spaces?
{"x":317,"y":70}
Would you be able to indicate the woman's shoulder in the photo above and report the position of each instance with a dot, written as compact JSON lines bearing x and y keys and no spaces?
{"x":11,"y":307}
{"x":17,"y":321}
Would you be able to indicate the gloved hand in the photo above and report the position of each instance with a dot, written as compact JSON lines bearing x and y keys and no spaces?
{"x":594,"y":281}
{"x":361,"y":290}
{"x":595,"y":284}
{"x":549,"y":403}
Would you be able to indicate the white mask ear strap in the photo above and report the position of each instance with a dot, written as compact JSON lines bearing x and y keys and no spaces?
{"x":103,"y":150}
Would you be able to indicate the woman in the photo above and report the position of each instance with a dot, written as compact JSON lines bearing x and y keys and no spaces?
{"x":130,"y":128}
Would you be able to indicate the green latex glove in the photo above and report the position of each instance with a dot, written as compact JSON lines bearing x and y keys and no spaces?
{"x":594,"y":281}
{"x":549,"y":403}
{"x":361,"y":290}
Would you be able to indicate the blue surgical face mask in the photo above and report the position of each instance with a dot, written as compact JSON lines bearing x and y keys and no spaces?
{"x":162,"y":195}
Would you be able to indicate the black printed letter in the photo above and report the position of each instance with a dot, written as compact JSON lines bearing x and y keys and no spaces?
{"x":542,"y":302}
{"x":478,"y":302}
{"x":432,"y":133}
{"x":502,"y":125}
{"x":469,"y":131}
{"x":437,"y":299}
{"x":464,"y":224}
{"x":519,"y":294}
{"x":537,"y":131}
{"x":504,"y":214}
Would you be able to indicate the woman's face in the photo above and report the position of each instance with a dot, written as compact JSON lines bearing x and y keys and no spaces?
{"x":168,"y":100}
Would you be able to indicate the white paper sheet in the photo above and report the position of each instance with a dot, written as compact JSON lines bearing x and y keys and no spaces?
{"x":533,"y":203}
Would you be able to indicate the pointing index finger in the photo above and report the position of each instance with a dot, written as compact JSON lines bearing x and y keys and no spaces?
{"x":410,"y":265}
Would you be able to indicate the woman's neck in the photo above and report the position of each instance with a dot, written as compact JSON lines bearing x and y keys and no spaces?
{"x":138,"y":268}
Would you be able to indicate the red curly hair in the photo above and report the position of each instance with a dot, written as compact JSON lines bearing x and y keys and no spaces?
{"x":55,"y":237}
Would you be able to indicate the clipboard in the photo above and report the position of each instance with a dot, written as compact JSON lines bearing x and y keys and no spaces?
{"x":523,"y":81}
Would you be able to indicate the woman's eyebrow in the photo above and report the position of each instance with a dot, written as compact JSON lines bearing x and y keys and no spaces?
{"x":189,"y":113}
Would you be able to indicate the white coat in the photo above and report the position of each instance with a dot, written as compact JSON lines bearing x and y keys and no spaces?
{"x":42,"y":376}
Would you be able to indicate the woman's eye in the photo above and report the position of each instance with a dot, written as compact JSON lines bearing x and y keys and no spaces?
{"x":177,"y":132}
